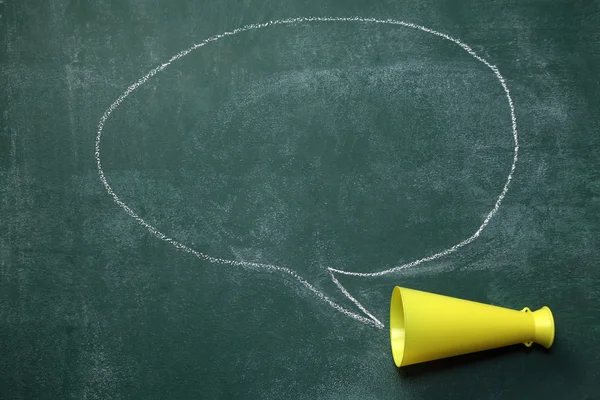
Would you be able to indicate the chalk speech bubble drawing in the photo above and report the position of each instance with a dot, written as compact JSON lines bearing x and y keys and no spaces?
{"x":365,"y":316}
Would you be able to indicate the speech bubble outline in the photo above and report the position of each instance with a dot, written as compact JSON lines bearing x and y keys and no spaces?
{"x":368,"y":318}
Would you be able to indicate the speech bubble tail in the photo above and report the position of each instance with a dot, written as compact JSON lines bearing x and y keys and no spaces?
{"x":368,"y":315}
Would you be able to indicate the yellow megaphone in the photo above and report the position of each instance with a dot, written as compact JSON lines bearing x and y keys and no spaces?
{"x":426,"y":326}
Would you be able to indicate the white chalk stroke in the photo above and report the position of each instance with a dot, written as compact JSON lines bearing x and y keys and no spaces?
{"x":362,"y":314}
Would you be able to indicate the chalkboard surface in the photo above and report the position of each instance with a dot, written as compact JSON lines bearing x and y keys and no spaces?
{"x":215,"y":199}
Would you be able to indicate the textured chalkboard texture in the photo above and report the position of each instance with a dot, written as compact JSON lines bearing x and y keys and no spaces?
{"x":202,"y":259}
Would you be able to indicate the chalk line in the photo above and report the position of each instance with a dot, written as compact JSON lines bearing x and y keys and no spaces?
{"x":368,"y":319}
{"x":491,"y":214}
{"x":352,"y":299}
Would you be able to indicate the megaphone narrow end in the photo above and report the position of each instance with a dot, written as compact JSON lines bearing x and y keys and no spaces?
{"x":544,"y":327}
{"x":397,"y":326}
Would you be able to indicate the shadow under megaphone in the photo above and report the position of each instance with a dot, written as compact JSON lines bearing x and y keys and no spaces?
{"x":462,"y":361}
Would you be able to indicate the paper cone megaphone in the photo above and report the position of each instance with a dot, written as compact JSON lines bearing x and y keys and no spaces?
{"x":426,"y":326}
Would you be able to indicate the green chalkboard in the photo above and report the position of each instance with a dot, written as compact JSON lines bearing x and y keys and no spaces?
{"x":215,"y":199}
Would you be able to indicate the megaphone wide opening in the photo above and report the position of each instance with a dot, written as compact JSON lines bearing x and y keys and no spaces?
{"x":397,"y":328}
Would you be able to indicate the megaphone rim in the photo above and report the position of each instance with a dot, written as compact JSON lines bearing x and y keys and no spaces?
{"x":397,"y":326}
